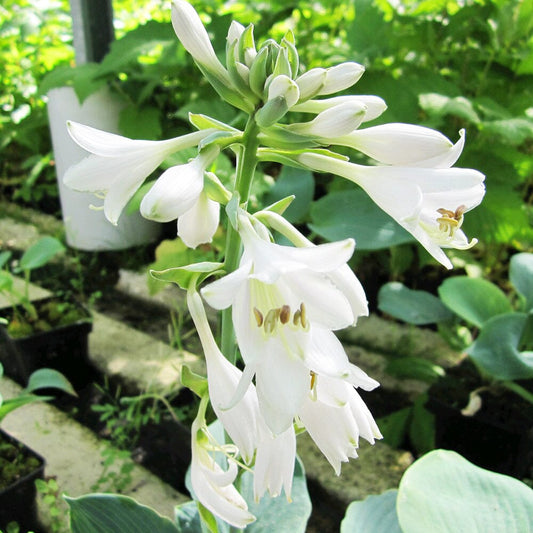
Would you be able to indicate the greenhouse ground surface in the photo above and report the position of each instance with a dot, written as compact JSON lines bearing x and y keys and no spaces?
{"x":140,"y":361}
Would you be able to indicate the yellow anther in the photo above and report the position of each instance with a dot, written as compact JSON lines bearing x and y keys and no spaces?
{"x":451,"y":221}
{"x":296,"y":317}
{"x":303,"y":316}
{"x":270,"y":320}
{"x":285,"y":314}
{"x":258,"y":317}
{"x":312,"y":385}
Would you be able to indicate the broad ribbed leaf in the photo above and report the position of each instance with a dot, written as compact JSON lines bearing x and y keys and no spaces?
{"x":474,"y":299}
{"x":521,"y":276}
{"x":111,"y":513}
{"x":443,"y":492}
{"x":374,"y":514}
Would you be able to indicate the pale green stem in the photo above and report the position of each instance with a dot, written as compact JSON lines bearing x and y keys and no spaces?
{"x":518,"y":389}
{"x":246,"y":163}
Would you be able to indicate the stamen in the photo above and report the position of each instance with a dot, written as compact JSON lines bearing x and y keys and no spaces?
{"x":303,"y":316}
{"x":258,"y":317}
{"x":285,"y":314}
{"x":451,"y":221}
{"x":296,"y":317}
{"x":312,"y":386}
{"x":270,"y":320}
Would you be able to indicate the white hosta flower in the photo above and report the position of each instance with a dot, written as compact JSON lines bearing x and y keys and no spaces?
{"x":333,"y":122}
{"x":212,"y":485}
{"x":117,"y":165}
{"x":341,"y":77}
{"x":375,"y":105}
{"x":282,"y":298}
{"x":335,"y":417}
{"x":199,"y":224}
{"x":274,"y":463}
{"x":310,"y":83}
{"x":177,"y":190}
{"x":405,"y":145}
{"x":240,"y":421}
{"x":429,"y":203}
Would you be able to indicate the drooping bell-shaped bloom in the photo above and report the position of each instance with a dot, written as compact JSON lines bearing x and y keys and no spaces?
{"x":117,"y":165}
{"x":239,"y":421}
{"x":282,"y":298}
{"x":335,"y":417}
{"x":177,"y":190}
{"x":199,"y":224}
{"x":212,"y":485}
{"x":430,"y":203}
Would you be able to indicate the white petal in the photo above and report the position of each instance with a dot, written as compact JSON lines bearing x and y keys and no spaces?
{"x":199,"y":224}
{"x":341,"y":77}
{"x":311,"y":82}
{"x":375,"y":105}
{"x":221,"y":293}
{"x":346,"y":281}
{"x":193,"y":36}
{"x":399,"y":144}
{"x":174,"y":193}
{"x":368,"y":428}
{"x":283,"y":86}
{"x":274,"y":464}
{"x":326,"y":355}
{"x":282,"y":384}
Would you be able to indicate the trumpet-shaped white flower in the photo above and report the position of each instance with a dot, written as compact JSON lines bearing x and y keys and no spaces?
{"x":341,"y":77}
{"x":117,"y":165}
{"x":430,"y":203}
{"x":284,"y":305}
{"x":178,"y":194}
{"x":335,"y":417}
{"x":240,"y":421}
{"x":212,"y":485}
{"x":404,"y":145}
{"x":199,"y":224}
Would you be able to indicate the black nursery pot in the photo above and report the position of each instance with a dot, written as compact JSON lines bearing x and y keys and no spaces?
{"x":64,"y":348}
{"x":499,"y":437}
{"x":17,"y":500}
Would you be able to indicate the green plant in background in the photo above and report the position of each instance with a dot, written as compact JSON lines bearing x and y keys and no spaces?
{"x":36,"y":256}
{"x":54,"y":504}
{"x":499,"y":336}
{"x":44,"y":378}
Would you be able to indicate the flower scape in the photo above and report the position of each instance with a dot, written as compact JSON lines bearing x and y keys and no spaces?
{"x":281,"y":304}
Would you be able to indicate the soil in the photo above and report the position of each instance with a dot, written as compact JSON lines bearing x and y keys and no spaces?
{"x":15,"y":462}
{"x":499,"y":436}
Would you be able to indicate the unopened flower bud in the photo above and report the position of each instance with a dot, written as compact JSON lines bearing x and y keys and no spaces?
{"x":341,"y":77}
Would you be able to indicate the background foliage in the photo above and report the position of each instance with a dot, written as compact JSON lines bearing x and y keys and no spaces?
{"x":447,"y":64}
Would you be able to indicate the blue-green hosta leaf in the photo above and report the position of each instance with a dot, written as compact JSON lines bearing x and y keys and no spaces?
{"x":277,"y":514}
{"x":443,"y":492}
{"x":38,"y":254}
{"x":413,"y":307}
{"x":111,"y":513}
{"x":374,"y":514}
{"x":521,"y":276}
{"x":473,"y":299}
{"x":344,"y":214}
{"x":496,"y":349}
{"x":48,"y":378}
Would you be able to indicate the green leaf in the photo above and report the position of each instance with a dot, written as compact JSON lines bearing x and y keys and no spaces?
{"x":521,"y":276}
{"x":183,"y":275}
{"x":441,"y":105}
{"x":297,"y":182}
{"x":273,"y":512}
{"x":473,"y":299}
{"x":443,"y":492}
{"x":23,"y":399}
{"x":188,"y":518}
{"x":194,"y":382}
{"x":4,"y":258}
{"x":413,"y":307}
{"x":496,"y":348}
{"x":48,"y":378}
{"x":394,"y":426}
{"x":343,"y":214}
{"x":140,"y":122}
{"x":422,"y":426}
{"x":110,"y":513}
{"x":514,"y":131}
{"x":414,"y":368}
{"x":40,"y":253}
{"x":374,"y":514}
